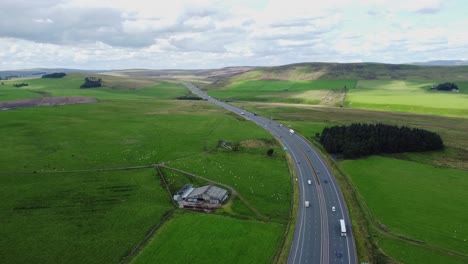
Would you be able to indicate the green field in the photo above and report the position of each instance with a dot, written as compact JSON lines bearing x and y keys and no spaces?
{"x":408,"y":253}
{"x":408,"y":96}
{"x":202,"y":238}
{"x":281,"y":91}
{"x":115,"y":88}
{"x":94,"y":217}
{"x":262,"y":180}
{"x":418,"y":200}
{"x":8,"y":92}
{"x":86,"y":217}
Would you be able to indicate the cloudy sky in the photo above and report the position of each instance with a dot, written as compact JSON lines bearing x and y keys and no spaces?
{"x":122,"y":34}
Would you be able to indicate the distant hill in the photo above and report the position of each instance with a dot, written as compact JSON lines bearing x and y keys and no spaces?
{"x":38,"y":72}
{"x":209,"y":75}
{"x":349,"y":71}
{"x":442,"y":63}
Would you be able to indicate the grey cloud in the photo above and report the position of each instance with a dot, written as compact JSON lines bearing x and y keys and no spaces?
{"x":49,"y":22}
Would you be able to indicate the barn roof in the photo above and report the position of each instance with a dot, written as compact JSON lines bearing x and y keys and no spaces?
{"x":212,"y":191}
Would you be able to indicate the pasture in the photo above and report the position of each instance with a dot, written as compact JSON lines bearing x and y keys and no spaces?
{"x":408,"y":96}
{"x":86,"y":217}
{"x":408,"y":253}
{"x":417,"y":200}
{"x":94,"y":217}
{"x":203,"y":238}
{"x":310,"y":92}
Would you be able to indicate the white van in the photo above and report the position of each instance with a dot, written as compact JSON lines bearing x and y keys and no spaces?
{"x":306,"y":203}
{"x":309,"y":182}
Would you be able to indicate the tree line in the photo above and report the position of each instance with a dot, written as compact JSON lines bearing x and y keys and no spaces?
{"x":54,"y":75}
{"x":357,"y":140}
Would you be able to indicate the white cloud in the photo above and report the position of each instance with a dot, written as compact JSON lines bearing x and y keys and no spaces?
{"x":181,"y":33}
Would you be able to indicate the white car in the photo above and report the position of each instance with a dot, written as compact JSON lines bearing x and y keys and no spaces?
{"x":242,"y":113}
{"x":333,"y":208}
{"x":309,"y":181}
{"x":306,"y":203}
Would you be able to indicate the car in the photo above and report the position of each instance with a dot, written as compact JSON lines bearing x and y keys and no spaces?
{"x":338,"y":254}
{"x":255,"y":114}
{"x":309,"y":181}
{"x":325,"y":181}
{"x":242,"y":113}
{"x":333,"y":209}
{"x":306,"y":203}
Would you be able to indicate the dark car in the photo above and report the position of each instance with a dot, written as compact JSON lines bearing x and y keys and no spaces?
{"x":325,"y":181}
{"x":339,"y":254}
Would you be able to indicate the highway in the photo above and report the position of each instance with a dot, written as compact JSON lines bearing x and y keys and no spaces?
{"x":317,"y":235}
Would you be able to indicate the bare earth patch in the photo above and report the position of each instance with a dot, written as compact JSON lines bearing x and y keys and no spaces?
{"x":255,"y":143}
{"x":46,"y":101}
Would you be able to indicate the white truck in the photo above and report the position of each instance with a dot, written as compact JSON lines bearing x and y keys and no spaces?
{"x":291,"y":132}
{"x":306,"y":203}
{"x":343,"y":227}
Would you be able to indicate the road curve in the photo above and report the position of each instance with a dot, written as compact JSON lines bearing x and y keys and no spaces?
{"x":317,"y":236}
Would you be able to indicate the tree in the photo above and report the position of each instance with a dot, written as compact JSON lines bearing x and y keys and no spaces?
{"x":91,"y":82}
{"x":270,"y":152}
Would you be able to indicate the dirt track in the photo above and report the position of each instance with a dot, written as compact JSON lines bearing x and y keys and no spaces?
{"x":46,"y":101}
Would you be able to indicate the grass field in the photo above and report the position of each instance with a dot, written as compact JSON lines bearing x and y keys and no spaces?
{"x":417,"y":200}
{"x":87,"y":217}
{"x":408,"y":96}
{"x":281,"y":91}
{"x":202,"y":238}
{"x":115,"y":88}
{"x":407,"y":253}
{"x":262,"y":180}
{"x":77,"y":217}
{"x":8,"y":92}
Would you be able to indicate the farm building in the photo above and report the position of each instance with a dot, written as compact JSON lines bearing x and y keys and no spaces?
{"x":207,"y":197}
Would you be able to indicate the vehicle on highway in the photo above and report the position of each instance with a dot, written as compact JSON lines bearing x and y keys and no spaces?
{"x":325,"y":181}
{"x":343,"y":227}
{"x":338,"y":254}
{"x":309,"y":181}
{"x":306,"y":203}
{"x":255,"y":114}
{"x":333,"y":209}
{"x":242,"y":113}
{"x":291,"y":132}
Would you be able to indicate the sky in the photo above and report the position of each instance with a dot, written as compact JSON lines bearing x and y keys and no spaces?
{"x":206,"y":34}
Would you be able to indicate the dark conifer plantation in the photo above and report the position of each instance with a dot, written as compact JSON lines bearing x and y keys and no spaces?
{"x":357,"y":140}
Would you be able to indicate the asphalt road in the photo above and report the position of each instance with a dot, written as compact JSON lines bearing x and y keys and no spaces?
{"x":317,"y":237}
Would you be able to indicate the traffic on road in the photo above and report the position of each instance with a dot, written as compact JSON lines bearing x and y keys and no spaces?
{"x":323,"y":233}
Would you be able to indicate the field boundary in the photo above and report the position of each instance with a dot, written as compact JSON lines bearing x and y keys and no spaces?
{"x":140,"y":245}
